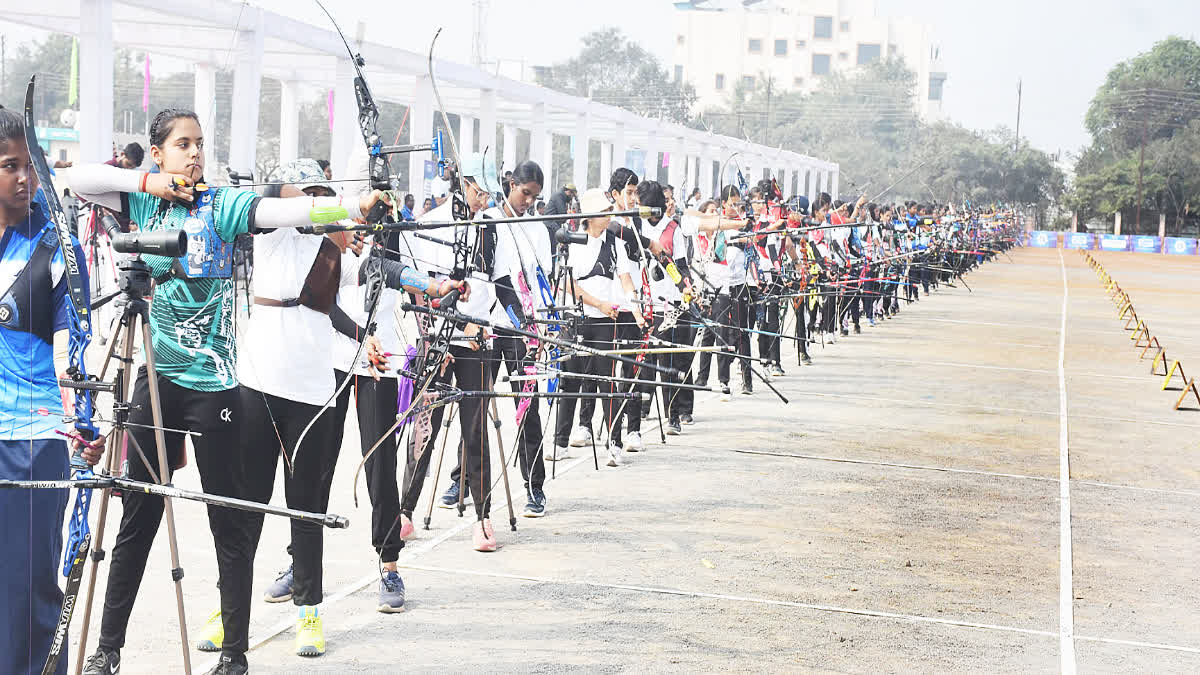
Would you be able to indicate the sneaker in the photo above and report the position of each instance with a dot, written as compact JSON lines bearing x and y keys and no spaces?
{"x":806,"y":359}
{"x":281,"y":590}
{"x":725,"y":394}
{"x":581,"y":437}
{"x":857,"y":329}
{"x":535,"y":505}
{"x":391,"y":593}
{"x":747,"y":389}
{"x":871,"y":322}
{"x":230,"y":665}
{"x":777,"y":370}
{"x":560,"y":453}
{"x":450,"y":498}
{"x":310,"y":636}
{"x":103,"y":662}
{"x":633,"y":442}
{"x":845,"y":332}
{"x":406,"y":528}
{"x":686,"y":419}
{"x":673,"y":428}
{"x":480,"y":539}
{"x":212,"y":634}
{"x":614,"y":454}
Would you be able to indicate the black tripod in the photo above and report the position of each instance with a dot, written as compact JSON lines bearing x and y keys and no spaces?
{"x":134,"y":285}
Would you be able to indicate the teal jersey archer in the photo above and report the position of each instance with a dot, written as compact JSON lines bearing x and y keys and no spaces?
{"x":192,"y":319}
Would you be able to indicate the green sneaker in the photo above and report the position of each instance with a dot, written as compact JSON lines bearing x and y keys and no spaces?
{"x":310,"y":637}
{"x":213,"y":633}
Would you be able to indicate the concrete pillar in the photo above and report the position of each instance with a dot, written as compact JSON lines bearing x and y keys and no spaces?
{"x":677,"y":168}
{"x":247,"y":92}
{"x":345,"y":134}
{"x":580,"y":141}
{"x":1117,"y":223}
{"x":510,"y":149}
{"x":620,"y":148}
{"x":487,"y":125}
{"x":420,"y":122}
{"x":541,"y":147}
{"x":651,"y":154}
{"x":466,"y":135}
{"x":289,"y":122}
{"x":1162,"y":225}
{"x":1074,"y":221}
{"x":204,"y":102}
{"x":606,"y":159}
{"x":95,"y":81}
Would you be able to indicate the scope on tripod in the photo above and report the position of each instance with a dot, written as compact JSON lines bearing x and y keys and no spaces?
{"x":169,"y":243}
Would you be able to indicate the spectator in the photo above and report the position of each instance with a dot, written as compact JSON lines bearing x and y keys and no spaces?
{"x":560,"y":202}
{"x":426,"y":206}
{"x":324,"y":164}
{"x":406,"y":212}
{"x":129,"y":158}
{"x":541,"y":208}
{"x":694,"y":199}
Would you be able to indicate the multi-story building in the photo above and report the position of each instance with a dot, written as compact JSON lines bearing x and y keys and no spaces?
{"x":722,"y":43}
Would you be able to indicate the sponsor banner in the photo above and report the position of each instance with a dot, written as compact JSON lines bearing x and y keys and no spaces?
{"x":1042,"y":239}
{"x":1114,"y":242}
{"x":1143,"y":244}
{"x":1083,"y":240}
{"x":1180,"y":246}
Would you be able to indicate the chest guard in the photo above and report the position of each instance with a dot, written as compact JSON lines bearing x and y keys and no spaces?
{"x":27,"y":305}
{"x":207,"y":255}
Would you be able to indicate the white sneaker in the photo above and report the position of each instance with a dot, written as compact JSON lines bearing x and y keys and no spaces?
{"x":633,"y":442}
{"x":725,"y":393}
{"x":559,"y":453}
{"x":614,"y":455}
{"x":580,"y":437}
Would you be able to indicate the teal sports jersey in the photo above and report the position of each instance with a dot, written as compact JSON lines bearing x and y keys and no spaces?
{"x":192,"y":319}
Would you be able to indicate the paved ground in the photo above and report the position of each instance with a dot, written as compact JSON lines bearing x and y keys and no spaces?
{"x":903,"y":513}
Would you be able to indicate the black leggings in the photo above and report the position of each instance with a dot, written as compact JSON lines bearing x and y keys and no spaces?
{"x":375,"y":403}
{"x":597,"y":334}
{"x":215,"y":415}
{"x":272,"y":425}
{"x":472,"y":371}
{"x":512,"y":351}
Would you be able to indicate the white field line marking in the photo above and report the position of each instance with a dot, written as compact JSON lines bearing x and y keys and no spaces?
{"x":912,"y":618}
{"x":353,"y":587}
{"x":1066,"y":593}
{"x":1018,"y":411}
{"x":1136,"y":643}
{"x":946,"y":469}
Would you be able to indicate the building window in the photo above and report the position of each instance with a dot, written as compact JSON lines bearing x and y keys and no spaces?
{"x":781,"y":48}
{"x":679,"y":73}
{"x":798,"y":82}
{"x":748,"y":81}
{"x":679,"y":39}
{"x":820,"y":64}
{"x":755,"y":46}
{"x":935,"y":88}
{"x":843,"y":56}
{"x":801,"y":44}
{"x":867,"y":54}
{"x":720,"y":83}
{"x":844,"y":26}
{"x":822,"y":27}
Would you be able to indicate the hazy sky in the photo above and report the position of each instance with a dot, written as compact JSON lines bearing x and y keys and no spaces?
{"x":1061,"y":49}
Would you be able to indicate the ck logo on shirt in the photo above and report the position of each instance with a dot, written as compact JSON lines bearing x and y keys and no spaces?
{"x":226,"y":415}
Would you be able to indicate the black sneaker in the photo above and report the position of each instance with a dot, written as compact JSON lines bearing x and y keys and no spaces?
{"x":673,"y":428}
{"x":857,"y":329}
{"x":845,"y":332}
{"x":450,"y":499}
{"x":747,"y":389}
{"x":103,"y":662}
{"x":806,"y":359}
{"x":686,"y":419}
{"x":230,"y":665}
{"x":725,"y":395}
{"x":535,"y":505}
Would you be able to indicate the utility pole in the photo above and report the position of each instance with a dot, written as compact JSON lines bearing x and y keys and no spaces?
{"x":479,"y":33}
{"x":1017,"y":140}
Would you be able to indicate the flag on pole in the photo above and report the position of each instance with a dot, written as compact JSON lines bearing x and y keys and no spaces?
{"x":666,"y":160}
{"x":73,"y":92}
{"x":329,"y":106}
{"x":146,"y":85}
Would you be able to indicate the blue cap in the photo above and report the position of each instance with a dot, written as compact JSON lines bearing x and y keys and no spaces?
{"x":799,"y":204}
{"x":481,"y":172}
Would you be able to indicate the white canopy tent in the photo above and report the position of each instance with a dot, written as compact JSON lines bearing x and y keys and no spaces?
{"x":255,"y":43}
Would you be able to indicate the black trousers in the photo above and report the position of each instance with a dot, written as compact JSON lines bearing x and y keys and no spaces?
{"x":215,"y":415}
{"x":677,"y":401}
{"x":375,"y":403}
{"x":513,"y":351}
{"x":471,"y":371}
{"x":738,"y":334}
{"x":597,"y":334}
{"x":800,"y":307}
{"x":768,"y":345}
{"x":271,"y":426}
{"x":717,"y":312}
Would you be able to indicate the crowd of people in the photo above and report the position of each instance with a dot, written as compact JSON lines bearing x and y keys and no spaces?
{"x":599,"y":308}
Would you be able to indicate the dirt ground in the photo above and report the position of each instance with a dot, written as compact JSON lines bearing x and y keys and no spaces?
{"x":903,"y":513}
